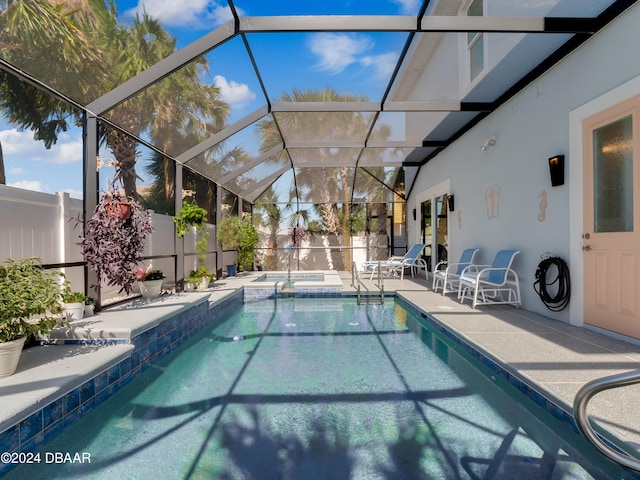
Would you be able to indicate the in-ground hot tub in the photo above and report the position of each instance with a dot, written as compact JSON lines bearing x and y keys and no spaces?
{"x":314,"y":283}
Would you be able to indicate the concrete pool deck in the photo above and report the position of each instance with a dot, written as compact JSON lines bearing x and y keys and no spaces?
{"x":556,"y":357}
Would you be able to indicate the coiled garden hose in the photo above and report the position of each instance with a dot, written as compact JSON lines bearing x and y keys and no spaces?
{"x":560,"y":300}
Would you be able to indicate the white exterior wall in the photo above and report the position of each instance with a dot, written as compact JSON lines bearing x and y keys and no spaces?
{"x":530,"y":128}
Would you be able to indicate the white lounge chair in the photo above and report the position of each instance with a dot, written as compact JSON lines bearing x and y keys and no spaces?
{"x":447,"y":278}
{"x":397,"y":264}
{"x":491,"y":284}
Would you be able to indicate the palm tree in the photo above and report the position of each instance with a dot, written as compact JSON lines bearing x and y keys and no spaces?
{"x":175,"y":112}
{"x":274,"y":215}
{"x":321,"y":185}
{"x":46,"y":40}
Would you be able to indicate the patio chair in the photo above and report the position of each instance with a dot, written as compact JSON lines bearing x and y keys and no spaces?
{"x":397,"y":264}
{"x":448,"y":276}
{"x":491,"y":284}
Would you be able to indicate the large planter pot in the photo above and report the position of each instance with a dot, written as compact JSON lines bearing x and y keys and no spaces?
{"x":204,"y":283}
{"x":150,"y":288}
{"x":74,"y":311}
{"x":231,"y":270}
{"x":10,"y":356}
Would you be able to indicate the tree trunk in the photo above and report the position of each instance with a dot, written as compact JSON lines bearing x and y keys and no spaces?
{"x":169,"y":179}
{"x":3,"y":178}
{"x":124,"y":151}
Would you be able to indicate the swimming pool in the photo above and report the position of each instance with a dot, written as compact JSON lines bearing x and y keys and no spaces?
{"x":310,"y":388}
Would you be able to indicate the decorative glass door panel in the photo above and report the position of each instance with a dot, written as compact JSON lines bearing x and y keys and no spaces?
{"x":613,"y":176}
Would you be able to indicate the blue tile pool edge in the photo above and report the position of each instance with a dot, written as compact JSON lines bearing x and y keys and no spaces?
{"x":500,"y":370}
{"x":33,"y":432}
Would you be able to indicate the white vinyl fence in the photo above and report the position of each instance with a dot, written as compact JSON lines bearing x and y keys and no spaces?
{"x":47,"y":226}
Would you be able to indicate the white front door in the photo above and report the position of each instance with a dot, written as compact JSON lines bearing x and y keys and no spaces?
{"x":611,"y":240}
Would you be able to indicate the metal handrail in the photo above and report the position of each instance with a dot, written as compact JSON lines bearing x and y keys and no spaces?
{"x":356,"y":282}
{"x":585,"y":393}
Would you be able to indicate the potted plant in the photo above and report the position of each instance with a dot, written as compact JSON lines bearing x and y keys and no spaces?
{"x":235,"y":233}
{"x":89,"y":306}
{"x":30,"y":304}
{"x":191,"y":215}
{"x":228,"y":234}
{"x":149,"y":281}
{"x":200,"y":278}
{"x":112,"y":246}
{"x":73,"y":304}
{"x":191,"y":283}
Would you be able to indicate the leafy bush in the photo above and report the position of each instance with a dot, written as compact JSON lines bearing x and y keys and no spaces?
{"x":228,"y":232}
{"x":235,"y":233}
{"x":29,"y":299}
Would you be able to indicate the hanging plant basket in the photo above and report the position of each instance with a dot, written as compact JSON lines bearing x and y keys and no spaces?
{"x":112,"y":245}
{"x":119,"y":210}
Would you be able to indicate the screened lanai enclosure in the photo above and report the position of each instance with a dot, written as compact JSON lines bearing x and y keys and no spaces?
{"x":311,"y":117}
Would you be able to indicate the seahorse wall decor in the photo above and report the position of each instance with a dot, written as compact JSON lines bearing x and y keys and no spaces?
{"x":492,"y":201}
{"x":543,"y":205}
{"x":459,"y":219}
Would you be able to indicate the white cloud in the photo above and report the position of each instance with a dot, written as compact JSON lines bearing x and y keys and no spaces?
{"x":73,"y":193}
{"x":15,"y":170}
{"x":195,"y":14}
{"x":232,"y":92}
{"x":408,"y":7}
{"x":36,"y":185}
{"x":383,"y":64}
{"x":21,"y":144}
{"x":337,"y":51}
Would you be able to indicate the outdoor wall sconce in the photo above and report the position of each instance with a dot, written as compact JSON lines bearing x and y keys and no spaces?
{"x":450,"y":203}
{"x":489,"y":143}
{"x":556,"y":170}
{"x":414,"y":213}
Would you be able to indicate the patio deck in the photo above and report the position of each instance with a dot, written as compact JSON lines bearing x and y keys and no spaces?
{"x":556,"y":357}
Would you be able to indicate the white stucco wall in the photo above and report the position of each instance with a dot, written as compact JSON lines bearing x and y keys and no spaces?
{"x":530,"y":128}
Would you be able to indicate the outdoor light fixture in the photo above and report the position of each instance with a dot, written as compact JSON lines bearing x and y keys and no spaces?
{"x":556,"y":170}
{"x":450,"y":203}
{"x":489,"y":143}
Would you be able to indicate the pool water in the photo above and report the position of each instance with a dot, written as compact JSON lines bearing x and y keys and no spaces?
{"x":316,"y":389}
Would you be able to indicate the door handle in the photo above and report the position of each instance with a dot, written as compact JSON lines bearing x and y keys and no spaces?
{"x":587,"y":248}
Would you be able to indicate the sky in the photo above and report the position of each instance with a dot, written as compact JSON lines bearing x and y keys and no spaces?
{"x":356,"y":63}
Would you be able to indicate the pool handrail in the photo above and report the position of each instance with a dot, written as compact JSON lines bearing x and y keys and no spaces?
{"x":357,"y":283}
{"x":584,"y":394}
